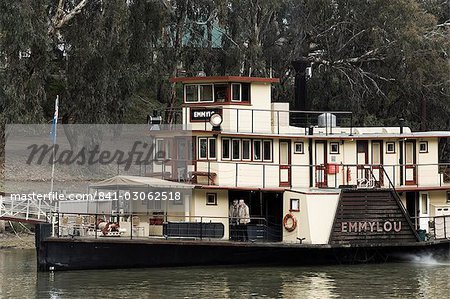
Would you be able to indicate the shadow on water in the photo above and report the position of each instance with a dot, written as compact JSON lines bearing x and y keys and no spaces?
{"x":423,"y":278}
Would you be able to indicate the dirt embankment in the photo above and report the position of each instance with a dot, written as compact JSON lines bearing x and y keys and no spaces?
{"x":19,"y":241}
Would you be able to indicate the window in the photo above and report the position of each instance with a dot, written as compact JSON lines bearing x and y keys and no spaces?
{"x":240,"y":92}
{"x":191,"y":93}
{"x":298,"y":148}
{"x":267,"y":150}
{"x":160,"y":149}
{"x":334,"y":147}
{"x":236,"y":147}
{"x":211,"y":199}
{"x":448,"y":196}
{"x":257,"y":150}
{"x":206,"y":93}
{"x":199,"y":93}
{"x":220,"y":92}
{"x":390,"y":147}
{"x":203,"y":148}
{"x":226,"y":149}
{"x":153,"y":204}
{"x":245,"y":92}
{"x":181,"y":149}
{"x":295,"y":205}
{"x":409,"y":152}
{"x":424,"y":203}
{"x":212,"y":148}
{"x":423,"y":147}
{"x":376,"y":153}
{"x":246,"y":149}
{"x":236,"y":92}
{"x":206,"y":148}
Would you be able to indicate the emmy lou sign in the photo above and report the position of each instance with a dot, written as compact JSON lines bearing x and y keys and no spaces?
{"x":202,"y":114}
{"x":371,"y":226}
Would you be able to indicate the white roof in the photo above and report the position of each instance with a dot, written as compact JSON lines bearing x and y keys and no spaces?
{"x":123,"y":181}
{"x":340,"y":135}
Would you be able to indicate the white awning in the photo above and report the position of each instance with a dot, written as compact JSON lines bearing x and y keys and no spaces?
{"x":123,"y":181}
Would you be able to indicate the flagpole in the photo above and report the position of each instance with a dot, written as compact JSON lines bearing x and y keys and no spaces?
{"x":55,"y":125}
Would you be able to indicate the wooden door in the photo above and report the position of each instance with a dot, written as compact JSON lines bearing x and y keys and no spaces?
{"x":410,"y":163}
{"x":285,"y":163}
{"x":321,"y":164}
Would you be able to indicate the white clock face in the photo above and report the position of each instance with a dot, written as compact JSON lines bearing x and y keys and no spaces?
{"x":215,"y":119}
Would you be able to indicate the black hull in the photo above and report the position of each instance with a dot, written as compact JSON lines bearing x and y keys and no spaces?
{"x":72,"y":254}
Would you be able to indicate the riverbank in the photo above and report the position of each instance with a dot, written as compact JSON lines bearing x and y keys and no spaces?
{"x":19,"y":241}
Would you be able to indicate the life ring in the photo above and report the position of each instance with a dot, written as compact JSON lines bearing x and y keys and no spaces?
{"x":289,"y":228}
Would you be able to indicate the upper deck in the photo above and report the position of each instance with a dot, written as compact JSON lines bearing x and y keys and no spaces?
{"x":257,"y":143}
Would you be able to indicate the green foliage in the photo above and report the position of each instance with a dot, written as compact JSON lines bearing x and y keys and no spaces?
{"x":110,"y":61}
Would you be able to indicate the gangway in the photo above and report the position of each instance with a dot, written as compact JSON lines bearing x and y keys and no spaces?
{"x":27,"y":210}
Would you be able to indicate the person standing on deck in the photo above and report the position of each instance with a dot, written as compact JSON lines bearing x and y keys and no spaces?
{"x":234,"y":215}
{"x":244,"y":219}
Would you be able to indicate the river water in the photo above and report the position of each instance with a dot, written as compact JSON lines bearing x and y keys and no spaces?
{"x":424,"y":278}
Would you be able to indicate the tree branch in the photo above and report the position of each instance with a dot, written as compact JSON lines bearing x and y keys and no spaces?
{"x":61,"y":17}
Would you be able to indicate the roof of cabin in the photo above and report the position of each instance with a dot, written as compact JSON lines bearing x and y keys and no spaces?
{"x":339,"y":136}
{"x":218,"y":79}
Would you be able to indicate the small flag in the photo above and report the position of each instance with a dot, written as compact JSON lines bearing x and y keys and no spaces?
{"x":54,"y":122}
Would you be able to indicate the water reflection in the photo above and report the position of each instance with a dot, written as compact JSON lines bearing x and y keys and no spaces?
{"x":415,"y":280}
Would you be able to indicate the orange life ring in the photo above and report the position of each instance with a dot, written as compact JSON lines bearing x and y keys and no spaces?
{"x":286,"y":225}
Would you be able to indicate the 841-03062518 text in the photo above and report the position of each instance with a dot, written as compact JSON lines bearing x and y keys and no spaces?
{"x":106,"y":196}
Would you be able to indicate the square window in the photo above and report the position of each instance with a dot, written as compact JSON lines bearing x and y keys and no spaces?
{"x":267,"y":150}
{"x":246,"y":149}
{"x":236,"y":147}
{"x":160,"y":149}
{"x":295,"y":205}
{"x":211,"y":199}
{"x":334,"y":148}
{"x":236,"y":92}
{"x":424,"y":203}
{"x":191,"y":93}
{"x":423,"y":147}
{"x":298,"y":148}
{"x":245,"y":92}
{"x":206,"y":93}
{"x":220,"y":92}
{"x":256,"y":150}
{"x":390,"y":148}
{"x":203,"y":148}
{"x":212,"y":148}
{"x":226,"y":152}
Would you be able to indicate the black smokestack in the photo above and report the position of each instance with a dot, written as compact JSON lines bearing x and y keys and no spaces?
{"x":301,"y":101}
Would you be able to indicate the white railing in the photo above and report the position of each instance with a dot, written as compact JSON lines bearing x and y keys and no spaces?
{"x":25,"y":209}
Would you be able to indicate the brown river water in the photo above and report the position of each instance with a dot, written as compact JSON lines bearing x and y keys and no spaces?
{"x":422,"y":278}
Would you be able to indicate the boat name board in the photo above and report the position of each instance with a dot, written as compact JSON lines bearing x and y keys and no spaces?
{"x":202,"y":114}
{"x":371,"y":226}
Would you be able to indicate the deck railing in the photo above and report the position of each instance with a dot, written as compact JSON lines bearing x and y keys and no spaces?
{"x":432,"y":227}
{"x":158,"y":226}
{"x":274,"y":121}
{"x":269,"y":175}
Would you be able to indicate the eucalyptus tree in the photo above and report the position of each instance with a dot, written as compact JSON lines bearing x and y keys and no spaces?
{"x":378,"y":58}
